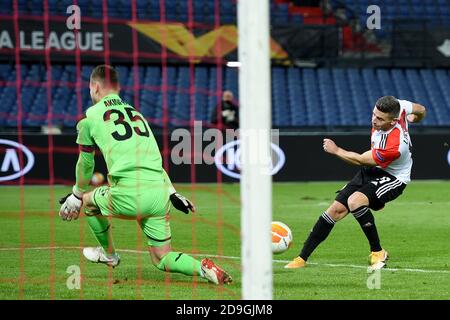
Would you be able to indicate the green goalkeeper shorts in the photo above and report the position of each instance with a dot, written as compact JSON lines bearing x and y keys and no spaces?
{"x":144,"y":201}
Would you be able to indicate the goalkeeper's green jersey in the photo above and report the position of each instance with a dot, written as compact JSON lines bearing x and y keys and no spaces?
{"x":124,"y":137}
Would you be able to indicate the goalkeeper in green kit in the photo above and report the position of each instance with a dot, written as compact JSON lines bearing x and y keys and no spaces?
{"x":139,"y":188}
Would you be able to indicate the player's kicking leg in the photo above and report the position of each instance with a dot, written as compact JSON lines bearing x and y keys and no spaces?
{"x":319,"y":233}
{"x":101,"y":229}
{"x":157,"y":230}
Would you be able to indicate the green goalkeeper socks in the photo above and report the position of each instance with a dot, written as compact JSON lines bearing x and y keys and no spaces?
{"x":178,"y":262}
{"x":101,"y":229}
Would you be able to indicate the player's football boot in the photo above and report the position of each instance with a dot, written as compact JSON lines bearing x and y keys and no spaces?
{"x":214,"y":273}
{"x":377,"y":260}
{"x":98,"y":255}
{"x":296,"y":263}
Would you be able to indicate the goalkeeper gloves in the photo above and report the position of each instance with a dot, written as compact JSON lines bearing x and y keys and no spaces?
{"x":181,"y":203}
{"x":71,"y":205}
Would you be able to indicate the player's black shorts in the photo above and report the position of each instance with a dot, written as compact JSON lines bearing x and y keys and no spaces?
{"x":378,"y":185}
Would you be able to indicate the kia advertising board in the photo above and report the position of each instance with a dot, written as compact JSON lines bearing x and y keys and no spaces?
{"x":295,"y":158}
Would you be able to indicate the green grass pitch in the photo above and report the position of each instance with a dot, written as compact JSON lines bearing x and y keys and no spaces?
{"x":37,"y":248}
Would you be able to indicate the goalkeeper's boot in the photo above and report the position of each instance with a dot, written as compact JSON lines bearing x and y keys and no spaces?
{"x":377,"y":260}
{"x":214,"y":273}
{"x":298,"y":262}
{"x":98,"y":255}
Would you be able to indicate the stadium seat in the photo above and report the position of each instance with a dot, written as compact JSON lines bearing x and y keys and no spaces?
{"x":326,"y":97}
{"x":204,"y":11}
{"x":280,"y":109}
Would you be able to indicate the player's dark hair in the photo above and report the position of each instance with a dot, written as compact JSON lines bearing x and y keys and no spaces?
{"x":106,"y":74}
{"x":388,"y":104}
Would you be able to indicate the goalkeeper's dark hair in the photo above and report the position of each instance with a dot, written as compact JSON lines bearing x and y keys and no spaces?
{"x":105,"y":74}
{"x":390,"y":105}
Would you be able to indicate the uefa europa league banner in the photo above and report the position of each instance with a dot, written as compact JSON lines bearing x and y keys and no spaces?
{"x":154,"y":41}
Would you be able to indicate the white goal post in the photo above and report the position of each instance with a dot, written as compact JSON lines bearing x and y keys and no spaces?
{"x":255,"y":125}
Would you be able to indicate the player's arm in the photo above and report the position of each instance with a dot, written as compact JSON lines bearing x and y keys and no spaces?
{"x":85,"y":164}
{"x":71,"y":203}
{"x":417,"y":114}
{"x":178,"y":201}
{"x":169,"y":182}
{"x":364,"y":159}
{"x":84,"y":169}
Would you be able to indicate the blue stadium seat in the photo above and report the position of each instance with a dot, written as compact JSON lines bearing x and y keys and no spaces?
{"x":314,"y":114}
{"x":200,"y":98}
{"x":231,"y":81}
{"x":420,"y":95}
{"x":301,"y":97}
{"x":399,"y":81}
{"x":436,"y":12}
{"x":296,"y":98}
{"x":362,"y":105}
{"x":384,"y":79}
{"x":435,"y":96}
{"x":214,"y":90}
{"x":280,"y":109}
{"x":331,"y":113}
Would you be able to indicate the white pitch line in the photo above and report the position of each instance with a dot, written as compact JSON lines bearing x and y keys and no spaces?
{"x":238,"y":258}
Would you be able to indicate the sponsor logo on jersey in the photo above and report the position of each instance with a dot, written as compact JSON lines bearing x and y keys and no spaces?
{"x":379,"y":156}
{"x":10,"y":168}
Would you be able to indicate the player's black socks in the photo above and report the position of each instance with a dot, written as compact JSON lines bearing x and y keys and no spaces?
{"x":367,"y":222}
{"x":320,"y":232}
